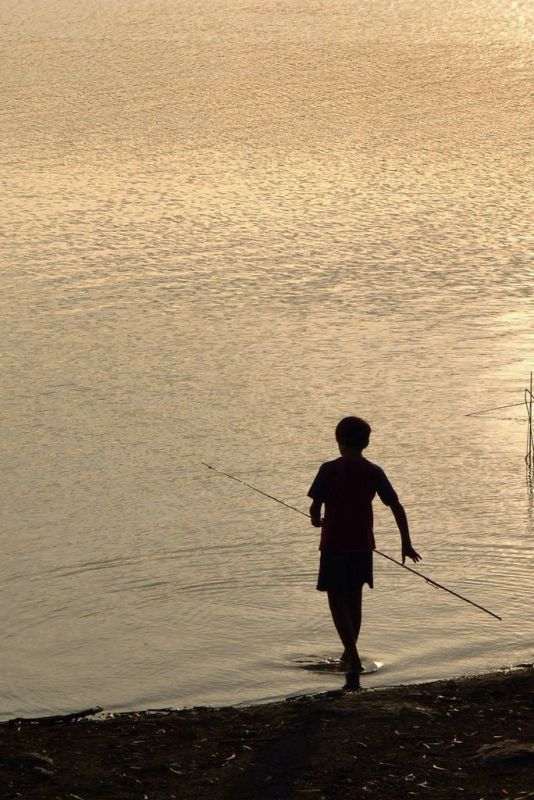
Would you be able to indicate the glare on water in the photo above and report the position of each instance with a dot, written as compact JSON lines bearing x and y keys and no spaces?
{"x":226,"y":226}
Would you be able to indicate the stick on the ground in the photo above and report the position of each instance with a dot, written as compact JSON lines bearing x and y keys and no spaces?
{"x":55,"y":719}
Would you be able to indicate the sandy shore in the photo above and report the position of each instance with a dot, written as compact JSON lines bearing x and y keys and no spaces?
{"x":447,"y":739}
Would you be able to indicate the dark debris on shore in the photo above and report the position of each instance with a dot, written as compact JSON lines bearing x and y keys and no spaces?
{"x":470,"y":738}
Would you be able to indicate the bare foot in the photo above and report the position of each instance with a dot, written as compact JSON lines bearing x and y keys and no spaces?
{"x":356,"y":666}
{"x":344,"y":657}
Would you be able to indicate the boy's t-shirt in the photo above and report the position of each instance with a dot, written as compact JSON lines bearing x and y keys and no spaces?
{"x":347,"y":486}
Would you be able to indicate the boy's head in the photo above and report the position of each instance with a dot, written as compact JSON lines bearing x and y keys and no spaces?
{"x":353,"y":433}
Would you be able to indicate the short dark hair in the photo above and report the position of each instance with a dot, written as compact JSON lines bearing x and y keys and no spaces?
{"x":353,"y":432}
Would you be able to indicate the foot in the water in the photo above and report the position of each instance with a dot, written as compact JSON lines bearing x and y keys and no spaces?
{"x":356,"y":667}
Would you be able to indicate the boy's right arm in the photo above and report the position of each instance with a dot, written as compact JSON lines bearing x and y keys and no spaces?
{"x":315,"y":513}
{"x":408,"y":551}
{"x":317,"y":493}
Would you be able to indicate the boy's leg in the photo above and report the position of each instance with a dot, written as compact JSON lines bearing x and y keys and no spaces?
{"x":341,"y":614}
{"x":355,"y":606}
{"x":355,"y":611}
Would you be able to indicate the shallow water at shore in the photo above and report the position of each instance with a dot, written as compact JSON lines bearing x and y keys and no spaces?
{"x":226,"y":228}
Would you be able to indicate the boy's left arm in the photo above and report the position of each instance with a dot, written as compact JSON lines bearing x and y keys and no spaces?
{"x":397,"y":509}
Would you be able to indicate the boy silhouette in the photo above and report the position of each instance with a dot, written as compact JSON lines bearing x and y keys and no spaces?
{"x":346,"y":487}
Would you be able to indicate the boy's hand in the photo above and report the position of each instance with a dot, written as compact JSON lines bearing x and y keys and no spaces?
{"x":316,"y":522}
{"x":409,"y":552}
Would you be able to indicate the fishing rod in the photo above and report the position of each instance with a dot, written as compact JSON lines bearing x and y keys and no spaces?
{"x":389,"y":558}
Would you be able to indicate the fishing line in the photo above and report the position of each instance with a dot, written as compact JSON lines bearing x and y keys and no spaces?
{"x":389,"y":558}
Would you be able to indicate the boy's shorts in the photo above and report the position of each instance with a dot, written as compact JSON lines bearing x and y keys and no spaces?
{"x":345,"y":572}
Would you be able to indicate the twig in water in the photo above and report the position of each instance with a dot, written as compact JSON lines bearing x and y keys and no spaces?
{"x":495,"y":408}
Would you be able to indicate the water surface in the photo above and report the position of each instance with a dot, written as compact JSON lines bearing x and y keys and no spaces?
{"x":225,"y":228}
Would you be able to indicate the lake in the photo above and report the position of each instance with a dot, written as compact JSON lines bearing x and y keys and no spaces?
{"x":225,"y":227}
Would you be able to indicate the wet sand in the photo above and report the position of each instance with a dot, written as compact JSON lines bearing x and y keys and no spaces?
{"x":446,"y":739}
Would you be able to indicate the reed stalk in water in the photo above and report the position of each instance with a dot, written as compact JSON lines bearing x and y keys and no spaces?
{"x":529,"y":458}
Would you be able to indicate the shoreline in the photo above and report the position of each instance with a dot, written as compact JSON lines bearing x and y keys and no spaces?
{"x":99,"y":713}
{"x":390,"y":742}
